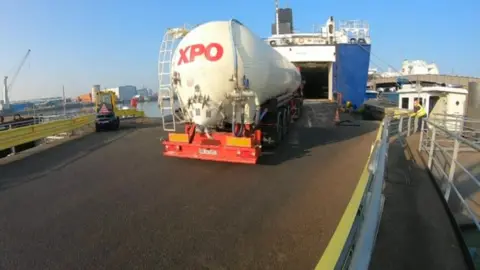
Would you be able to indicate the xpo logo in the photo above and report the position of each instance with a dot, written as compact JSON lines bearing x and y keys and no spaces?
{"x":212,"y":52}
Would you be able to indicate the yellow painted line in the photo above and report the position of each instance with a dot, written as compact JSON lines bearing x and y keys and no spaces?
{"x":332,"y":253}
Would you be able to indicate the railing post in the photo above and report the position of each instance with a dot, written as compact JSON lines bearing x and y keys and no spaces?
{"x":457,"y":130}
{"x":409,"y":125}
{"x":432,"y":147}
{"x":445,"y":121}
{"x":400,"y":126}
{"x":422,"y":128}
{"x":12,"y":149}
{"x":453,"y":164}
{"x":462,"y":126}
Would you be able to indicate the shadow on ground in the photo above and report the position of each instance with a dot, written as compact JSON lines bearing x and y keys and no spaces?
{"x":307,"y":134}
{"x":415,"y":225}
{"x":468,"y":188}
{"x":463,"y":181}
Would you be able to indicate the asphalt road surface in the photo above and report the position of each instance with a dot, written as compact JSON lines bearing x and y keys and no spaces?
{"x":111,"y":201}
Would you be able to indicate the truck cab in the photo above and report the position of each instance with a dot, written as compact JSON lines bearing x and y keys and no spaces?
{"x":106,"y":118}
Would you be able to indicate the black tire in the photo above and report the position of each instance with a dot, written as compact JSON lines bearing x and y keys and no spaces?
{"x":97,"y":128}
{"x":285,"y":122}
{"x":279,"y":127}
{"x":299,"y":111}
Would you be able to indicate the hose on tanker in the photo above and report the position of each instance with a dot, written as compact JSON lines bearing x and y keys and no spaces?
{"x":262,"y":115}
{"x":240,"y":130}
{"x":242,"y":126}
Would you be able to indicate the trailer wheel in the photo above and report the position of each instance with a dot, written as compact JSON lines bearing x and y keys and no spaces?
{"x":289,"y":117}
{"x":300,"y":108}
{"x":289,"y":110}
{"x":284,"y":122}
{"x":279,"y":128}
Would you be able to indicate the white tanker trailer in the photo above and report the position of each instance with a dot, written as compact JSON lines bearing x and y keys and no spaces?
{"x":232,"y":87}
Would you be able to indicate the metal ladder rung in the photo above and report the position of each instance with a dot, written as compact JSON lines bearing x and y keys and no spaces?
{"x":164,"y":68}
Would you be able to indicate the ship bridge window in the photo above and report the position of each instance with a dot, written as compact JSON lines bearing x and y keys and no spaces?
{"x":405,"y":103}
{"x":315,"y":75}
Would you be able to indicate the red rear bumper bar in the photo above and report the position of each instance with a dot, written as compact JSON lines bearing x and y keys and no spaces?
{"x":221,"y":147}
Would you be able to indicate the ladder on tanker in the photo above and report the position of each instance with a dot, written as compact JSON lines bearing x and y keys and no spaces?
{"x":170,"y":39}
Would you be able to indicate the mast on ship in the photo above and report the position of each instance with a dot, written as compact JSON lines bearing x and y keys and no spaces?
{"x":277,"y":25}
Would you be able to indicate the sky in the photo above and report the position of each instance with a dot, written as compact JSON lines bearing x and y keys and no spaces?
{"x":79,"y":43}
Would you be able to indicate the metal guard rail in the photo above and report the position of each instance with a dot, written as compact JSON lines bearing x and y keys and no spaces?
{"x":353,"y":241}
{"x":434,"y":141}
{"x":53,"y":124}
{"x":17,"y":136}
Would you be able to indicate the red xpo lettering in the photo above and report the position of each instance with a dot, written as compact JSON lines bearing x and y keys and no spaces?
{"x":213,"y":52}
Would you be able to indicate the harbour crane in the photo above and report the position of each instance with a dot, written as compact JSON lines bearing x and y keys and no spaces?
{"x":8,"y":87}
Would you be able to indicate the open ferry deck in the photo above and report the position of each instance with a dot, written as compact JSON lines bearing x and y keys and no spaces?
{"x":112,"y":200}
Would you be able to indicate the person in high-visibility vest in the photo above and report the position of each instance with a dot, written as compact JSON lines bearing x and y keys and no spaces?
{"x":420,"y":114}
{"x":348,"y":107}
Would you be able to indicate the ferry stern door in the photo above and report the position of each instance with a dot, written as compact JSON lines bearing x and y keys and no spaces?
{"x":315,"y":64}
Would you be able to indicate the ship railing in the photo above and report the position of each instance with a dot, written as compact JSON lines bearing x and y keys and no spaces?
{"x":453,"y":158}
{"x":353,"y":242}
{"x":354,"y":29}
{"x":353,"y":24}
{"x":468,"y":128}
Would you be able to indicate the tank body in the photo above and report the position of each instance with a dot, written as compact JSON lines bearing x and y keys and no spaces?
{"x":215,"y":59}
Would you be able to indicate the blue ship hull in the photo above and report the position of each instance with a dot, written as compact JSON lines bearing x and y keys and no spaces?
{"x":20,"y":107}
{"x":350,"y":72}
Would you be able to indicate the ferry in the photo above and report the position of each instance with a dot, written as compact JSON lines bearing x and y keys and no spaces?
{"x":441,"y":100}
{"x":332,"y":59}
